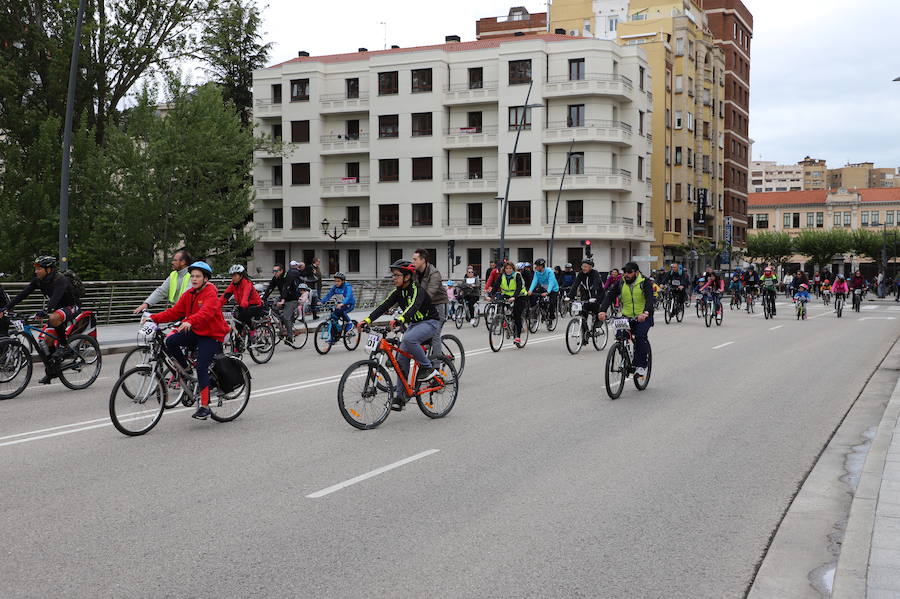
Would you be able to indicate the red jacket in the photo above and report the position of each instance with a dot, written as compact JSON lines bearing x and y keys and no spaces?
{"x":245,"y":294}
{"x":202,"y":309}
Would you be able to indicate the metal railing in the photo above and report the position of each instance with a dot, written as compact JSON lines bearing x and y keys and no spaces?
{"x":487,"y":86}
{"x":594,"y":170}
{"x":342,"y":96}
{"x":588,"y":123}
{"x":591,"y":77}
{"x":487,"y":175}
{"x":470,"y":130}
{"x":344,"y":180}
{"x":344,"y":137}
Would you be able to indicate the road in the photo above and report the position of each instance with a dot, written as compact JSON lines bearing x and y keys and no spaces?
{"x":535,"y":485}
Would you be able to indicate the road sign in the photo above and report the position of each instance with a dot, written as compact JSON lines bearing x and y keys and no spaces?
{"x":729,"y":229}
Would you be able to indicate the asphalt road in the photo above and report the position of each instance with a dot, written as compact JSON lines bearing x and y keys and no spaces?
{"x":535,"y":485}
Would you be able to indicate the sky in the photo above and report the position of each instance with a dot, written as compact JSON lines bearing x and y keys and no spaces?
{"x":821,"y":70}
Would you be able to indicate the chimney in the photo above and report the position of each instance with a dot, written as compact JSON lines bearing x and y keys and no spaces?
{"x":451,"y":38}
{"x":363,"y":50}
{"x":394,"y":47}
{"x":519,"y":33}
{"x":559,"y":31}
{"x":302,"y":53}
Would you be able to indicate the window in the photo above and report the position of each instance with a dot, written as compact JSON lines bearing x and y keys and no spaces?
{"x":525,"y":254}
{"x":353,"y":217}
{"x":576,"y":116}
{"x":678,"y":192}
{"x":352,"y":85}
{"x":875,"y":216}
{"x":334,"y":260}
{"x":677,"y":155}
{"x":668,"y":155}
{"x":520,"y":212}
{"x":421,"y":80}
{"x":277,"y":175}
{"x":640,"y":168}
{"x":847,"y":219}
{"x":796,"y":220}
{"x":276,"y":132}
{"x":299,"y":90}
{"x":388,"y":83}
{"x":889,"y":218}
{"x":640,"y":214}
{"x":299,"y":132}
{"x":352,"y":170}
{"x":388,"y":125}
{"x":690,"y":157}
{"x":300,"y":173}
{"x":473,"y":214}
{"x":473,"y":257}
{"x":864,"y":218}
{"x":690,"y":121}
{"x":352,"y":129}
{"x":762,"y":221}
{"x":678,"y":119}
{"x":576,"y":163}
{"x":810,"y":219}
{"x":421,"y":215}
{"x":519,"y":116}
{"x":613,"y":23}
{"x":421,"y":169}
{"x":519,"y":71}
{"x":668,"y":191}
{"x":640,"y":122}
{"x":679,"y":46}
{"x":277,"y":218}
{"x":576,"y":69}
{"x":575,"y":212}
{"x":388,"y":169}
{"x":678,"y":225}
{"x":276,"y":93}
{"x":679,"y":84}
{"x":280,"y":256}
{"x":668,"y":118}
{"x":389,"y":215}
{"x":352,"y":260}
{"x":476,"y":78}
{"x":521,"y":164}
{"x":820,"y":220}
{"x":837,"y":219}
{"x":421,"y":124}
{"x":641,"y":72}
{"x":395,"y":254}
{"x":473,"y":119}
{"x":475,"y":170}
{"x":300,"y":217}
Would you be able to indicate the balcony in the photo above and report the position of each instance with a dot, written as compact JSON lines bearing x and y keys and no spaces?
{"x":344,"y":144}
{"x":461,"y":93}
{"x":471,"y":137}
{"x":335,"y":103}
{"x":614,"y":132}
{"x":603,"y":227}
{"x":266,"y":232}
{"x":618,"y":87}
{"x":484,"y":182}
{"x":266,"y":108}
{"x":610,"y":179}
{"x":459,"y":228}
{"x":265,"y":190}
{"x":344,"y":187}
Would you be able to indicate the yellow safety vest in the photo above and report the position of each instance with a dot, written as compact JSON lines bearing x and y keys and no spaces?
{"x":632,"y":297}
{"x":508,"y":286}
{"x":174,"y":291}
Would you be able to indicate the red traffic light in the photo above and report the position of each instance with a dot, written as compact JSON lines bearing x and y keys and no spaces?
{"x":587,"y":242}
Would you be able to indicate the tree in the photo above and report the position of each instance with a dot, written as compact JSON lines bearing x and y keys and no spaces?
{"x":231,"y":48}
{"x":821,"y":246}
{"x":771,"y":247}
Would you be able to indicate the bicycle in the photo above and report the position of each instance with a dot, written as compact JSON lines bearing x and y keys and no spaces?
{"x":490,"y":312}
{"x":578,"y":333}
{"x":839,"y":304}
{"x":258,"y":339}
{"x":857,"y":299}
{"x":801,"y":309}
{"x":502,"y":327}
{"x":826,"y":297}
{"x":620,"y":360}
{"x":710,"y":312}
{"x":539,"y":313}
{"x":77,"y":368}
{"x":464,"y":312}
{"x":749,"y":300}
{"x":332,"y":330}
{"x":768,"y":302}
{"x":735,"y":300}
{"x":673,"y":306}
{"x":140,"y":395}
{"x":298,"y":325}
{"x":366,"y":390}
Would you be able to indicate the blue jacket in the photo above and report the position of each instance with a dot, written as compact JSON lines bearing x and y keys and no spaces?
{"x":803,"y":295}
{"x":545,"y":279}
{"x":345,"y":290}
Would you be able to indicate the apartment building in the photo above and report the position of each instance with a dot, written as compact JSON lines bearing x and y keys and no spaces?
{"x":815,"y":173}
{"x":517,"y":21}
{"x":771,"y":176}
{"x":589,"y":18}
{"x":862,"y":175}
{"x":411,"y":147}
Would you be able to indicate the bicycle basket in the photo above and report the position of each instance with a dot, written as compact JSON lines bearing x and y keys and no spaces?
{"x":228,"y":373}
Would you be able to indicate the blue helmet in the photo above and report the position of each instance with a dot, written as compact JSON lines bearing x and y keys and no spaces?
{"x":202,"y":267}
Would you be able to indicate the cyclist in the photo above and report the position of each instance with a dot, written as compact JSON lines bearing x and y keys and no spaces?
{"x":60,"y":308}
{"x":431,"y":281}
{"x":511,"y":286}
{"x":418,"y":314}
{"x":588,"y":288}
{"x":839,"y":289}
{"x":751,"y":280}
{"x":468,"y":290}
{"x":202,"y":328}
{"x":249,"y":304}
{"x":174,"y":286}
{"x":714,"y":286}
{"x":288,"y":285}
{"x":614,"y":277}
{"x":802,"y":294}
{"x":736,"y":287}
{"x":769,"y":284}
{"x":636,"y":295}
{"x":527,"y":273}
{"x":342,"y":292}
{"x":676,"y":282}
{"x":858,"y":282}
{"x":544,"y":284}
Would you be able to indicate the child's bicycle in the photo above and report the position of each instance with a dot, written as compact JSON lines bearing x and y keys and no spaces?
{"x":366,"y":390}
{"x":332,"y":330}
{"x":801,"y":308}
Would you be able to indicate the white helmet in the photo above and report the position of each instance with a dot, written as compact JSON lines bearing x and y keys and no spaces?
{"x":236,"y":269}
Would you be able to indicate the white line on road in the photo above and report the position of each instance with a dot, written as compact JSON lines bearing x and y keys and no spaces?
{"x":877,"y":318}
{"x":870,"y":307}
{"x":367,"y":475}
{"x":723,"y":345}
{"x":778,"y":327}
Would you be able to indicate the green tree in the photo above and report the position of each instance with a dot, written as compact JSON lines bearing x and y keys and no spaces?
{"x":770,"y":246}
{"x":821,"y":246}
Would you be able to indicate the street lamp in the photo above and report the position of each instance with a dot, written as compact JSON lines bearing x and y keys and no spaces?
{"x":334,"y":234}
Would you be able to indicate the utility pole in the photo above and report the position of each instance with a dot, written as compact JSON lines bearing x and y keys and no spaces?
{"x":556,"y":210}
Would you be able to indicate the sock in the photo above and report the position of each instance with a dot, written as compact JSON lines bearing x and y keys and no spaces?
{"x":204,"y":396}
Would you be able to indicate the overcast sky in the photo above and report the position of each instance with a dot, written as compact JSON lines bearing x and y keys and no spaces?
{"x":821,"y":70}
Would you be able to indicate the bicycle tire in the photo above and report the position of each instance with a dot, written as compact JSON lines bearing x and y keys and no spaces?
{"x":699,"y":308}
{"x":533,"y":321}
{"x":133,"y":408}
{"x":141,"y":353}
{"x":720,"y":315}
{"x":301,"y":335}
{"x":552,"y":321}
{"x":88,"y":356}
{"x":616,"y":368}
{"x":679,"y":315}
{"x":262,"y":347}
{"x":667,"y":311}
{"x":238,"y":398}
{"x":476,"y":317}
{"x":638,"y":382}
{"x":323,"y":346}
{"x":600,"y":331}
{"x":376,"y":380}
{"x":490,"y":313}
{"x":459,"y":318}
{"x":707,"y":315}
{"x":14,"y":360}
{"x":445,"y":397}
{"x":574,"y":341}
{"x":840,"y":309}
{"x":496,"y":333}
{"x":351,"y":337}
{"x":453,"y":350}
{"x":523,"y":335}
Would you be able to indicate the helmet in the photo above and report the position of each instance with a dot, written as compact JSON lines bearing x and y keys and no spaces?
{"x":303,"y":287}
{"x":840,"y":276}
{"x":804,"y":286}
{"x":520,"y":265}
{"x":45,"y":261}
{"x":259,"y":287}
{"x":767,"y":269}
{"x":404,"y":265}
{"x":202,"y":267}
{"x":568,"y":265}
{"x":752,"y":267}
{"x":450,"y":283}
{"x":236,"y":269}
{"x":339,"y":275}
{"x":540,"y":262}
{"x":526,"y":264}
{"x":588,"y":261}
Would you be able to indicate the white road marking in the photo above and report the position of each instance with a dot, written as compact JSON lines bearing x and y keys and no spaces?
{"x":821,"y":315}
{"x":894,"y":309}
{"x":870,"y":307}
{"x":368,"y":475}
{"x":877,"y":318}
{"x":778,"y":327}
{"x":723,"y":345}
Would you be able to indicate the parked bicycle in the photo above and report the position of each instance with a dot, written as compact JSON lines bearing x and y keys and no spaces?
{"x":620,"y":360}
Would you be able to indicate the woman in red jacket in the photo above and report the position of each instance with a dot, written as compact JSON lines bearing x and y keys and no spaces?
{"x":245,"y":296}
{"x":202,"y":327}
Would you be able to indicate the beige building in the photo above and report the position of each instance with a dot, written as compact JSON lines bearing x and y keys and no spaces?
{"x":771,"y":176}
{"x":815,"y":173}
{"x":518,"y":22}
{"x":862,"y":175}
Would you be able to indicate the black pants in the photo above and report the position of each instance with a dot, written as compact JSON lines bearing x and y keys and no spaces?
{"x":246,"y":315}
{"x":470,"y":301}
{"x":552,"y":297}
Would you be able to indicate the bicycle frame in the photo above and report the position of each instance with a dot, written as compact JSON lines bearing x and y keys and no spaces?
{"x":27,"y":333}
{"x":390,"y":350}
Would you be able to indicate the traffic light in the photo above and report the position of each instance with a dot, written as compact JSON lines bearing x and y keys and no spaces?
{"x":451,"y":249}
{"x":587,"y":248}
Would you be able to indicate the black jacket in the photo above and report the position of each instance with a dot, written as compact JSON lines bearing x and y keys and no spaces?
{"x":54,"y":286}
{"x":415,"y":305}
{"x":287,"y":285}
{"x":683,"y":279}
{"x":587,"y":286}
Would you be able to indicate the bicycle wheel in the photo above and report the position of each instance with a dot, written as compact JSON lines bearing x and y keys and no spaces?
{"x":667,"y":310}
{"x":351,"y":336}
{"x":301,"y":335}
{"x":490,"y":313}
{"x":476,"y":316}
{"x":438,"y":399}
{"x":679,"y":315}
{"x":497,"y":332}
{"x":616,"y":370}
{"x":641,"y":382}
{"x":720,"y":314}
{"x":139,"y":356}
{"x":526,"y":329}
{"x":766,"y":311}
{"x":574,"y":336}
{"x":322,"y":338}
{"x":15,"y":368}
{"x":533,"y":319}
{"x":600,"y":334}
{"x":803,"y":312}
{"x":454,"y":353}
{"x":225,"y":407}
{"x":82,"y":369}
{"x":699,"y":308}
{"x":707,"y":314}
{"x":552,"y":320}
{"x":364,"y":394}
{"x":459,"y":318}
{"x":261,"y":346}
{"x":137,"y":406}
{"x":839,"y":308}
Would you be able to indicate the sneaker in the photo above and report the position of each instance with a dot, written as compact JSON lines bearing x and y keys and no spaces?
{"x":425,"y":374}
{"x":48,"y":378}
{"x":517,"y":340}
{"x":399,"y":401}
{"x":640,"y":371}
{"x":202,"y":413}
{"x":61,"y":353}
{"x":472,"y":322}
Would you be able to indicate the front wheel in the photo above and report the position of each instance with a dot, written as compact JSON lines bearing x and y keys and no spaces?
{"x":436,"y":397}
{"x":322,"y":338}
{"x":81,"y":369}
{"x":616,"y":370}
{"x":533,"y":319}
{"x":708,"y":314}
{"x":261,"y":344}
{"x":574,"y":336}
{"x":497,"y":332}
{"x":526,"y":329}
{"x":15,"y":368}
{"x":641,"y":382}
{"x":600,"y":334}
{"x":137,"y":401}
{"x":301,"y":335}
{"x":720,"y":314}
{"x":364,"y":394}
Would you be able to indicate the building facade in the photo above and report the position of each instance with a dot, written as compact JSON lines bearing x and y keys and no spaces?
{"x":518,"y":21}
{"x":815,"y":173}
{"x":411,"y":147}
{"x":771,"y":176}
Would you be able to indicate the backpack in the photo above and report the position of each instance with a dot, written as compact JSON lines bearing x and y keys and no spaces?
{"x":228,"y":373}
{"x":75,"y":284}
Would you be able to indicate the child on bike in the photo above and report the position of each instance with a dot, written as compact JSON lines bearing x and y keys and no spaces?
{"x":342,"y":292}
{"x":736,"y":288}
{"x":802,"y":294}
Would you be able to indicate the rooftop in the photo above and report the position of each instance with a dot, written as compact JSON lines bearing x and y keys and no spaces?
{"x":819,"y":196}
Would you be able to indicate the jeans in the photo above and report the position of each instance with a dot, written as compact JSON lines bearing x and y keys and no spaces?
{"x":552,"y":297}
{"x":641,"y":343}
{"x":417,"y":334}
{"x":341,"y":315}
{"x":712,"y":296}
{"x":287,"y":316}
{"x":436,"y":343}
{"x":207,"y":348}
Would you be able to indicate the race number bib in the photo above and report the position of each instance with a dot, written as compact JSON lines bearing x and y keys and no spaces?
{"x":19,"y":325}
{"x":676,"y":282}
{"x":373,"y":341}
{"x":621,"y":324}
{"x":576,"y":307}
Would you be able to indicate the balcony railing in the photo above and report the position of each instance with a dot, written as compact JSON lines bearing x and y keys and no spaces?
{"x":588,"y":123}
{"x":459,"y":87}
{"x":337,"y":138}
{"x":364,"y":179}
{"x":612,"y":226}
{"x":471,"y":130}
{"x":591,"y":77}
{"x":488,"y":175}
{"x":343,"y":96}
{"x":595,"y":170}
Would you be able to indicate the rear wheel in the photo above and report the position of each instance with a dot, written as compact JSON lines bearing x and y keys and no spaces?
{"x":225,"y":407}
{"x":679,"y":311}
{"x":301,"y":335}
{"x":497,"y":332}
{"x":80,"y":370}
{"x":439,"y":398}
{"x":616,"y":370}
{"x":490,"y":313}
{"x":667,"y":310}
{"x":261,"y":343}
{"x":351,"y":336}
{"x":641,"y":382}
{"x":454,"y":353}
{"x":364,"y":394}
{"x":552,"y":319}
{"x":15,"y":368}
{"x":720,"y":314}
{"x":534,"y":319}
{"x":137,"y":401}
{"x":322,"y":338}
{"x":459,"y":317}
{"x":574,"y":335}
{"x":708,"y":313}
{"x":526,"y":328}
